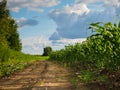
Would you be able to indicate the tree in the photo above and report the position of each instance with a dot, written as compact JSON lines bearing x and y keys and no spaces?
{"x":47,"y":51}
{"x":8,"y":29}
{"x":4,"y":12}
{"x":14,"y":41}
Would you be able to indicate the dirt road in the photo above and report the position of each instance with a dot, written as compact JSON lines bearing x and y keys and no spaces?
{"x":42,"y":75}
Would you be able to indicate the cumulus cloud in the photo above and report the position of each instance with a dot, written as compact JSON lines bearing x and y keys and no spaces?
{"x":34,"y":5}
{"x":73,"y":21}
{"x":85,"y":1}
{"x":64,"y":41}
{"x":55,"y":36}
{"x":67,"y":20}
{"x":22,"y":22}
{"x":36,"y":46}
{"x":38,"y":43}
{"x":60,"y":44}
{"x":115,"y":3}
{"x":75,"y":9}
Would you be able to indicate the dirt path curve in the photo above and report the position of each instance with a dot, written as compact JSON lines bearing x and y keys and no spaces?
{"x":42,"y":75}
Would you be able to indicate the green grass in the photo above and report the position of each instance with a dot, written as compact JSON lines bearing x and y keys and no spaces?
{"x":13,"y":60}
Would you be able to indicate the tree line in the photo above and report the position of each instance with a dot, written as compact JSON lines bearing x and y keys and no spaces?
{"x":9,"y":37}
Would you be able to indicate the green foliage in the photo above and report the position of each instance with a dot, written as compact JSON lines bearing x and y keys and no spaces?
{"x":4,"y":54}
{"x":95,"y":58}
{"x":4,"y":12}
{"x":86,"y":76}
{"x":105,"y":43}
{"x":11,"y":61}
{"x":47,"y":51}
{"x":3,"y":41}
{"x":8,"y":29}
{"x":9,"y":39}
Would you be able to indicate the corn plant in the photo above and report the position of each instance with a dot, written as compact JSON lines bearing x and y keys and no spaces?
{"x":97,"y":57}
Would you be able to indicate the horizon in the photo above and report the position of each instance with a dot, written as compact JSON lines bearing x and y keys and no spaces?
{"x":57,"y":23}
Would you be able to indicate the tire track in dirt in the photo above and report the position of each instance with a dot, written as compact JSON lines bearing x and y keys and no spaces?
{"x":23,"y":79}
{"x":42,"y":75}
{"x":54,"y":78}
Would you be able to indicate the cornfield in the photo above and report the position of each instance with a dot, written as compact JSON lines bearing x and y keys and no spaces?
{"x":98,"y":58}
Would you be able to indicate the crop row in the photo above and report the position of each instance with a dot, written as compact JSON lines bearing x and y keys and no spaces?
{"x":98,"y":58}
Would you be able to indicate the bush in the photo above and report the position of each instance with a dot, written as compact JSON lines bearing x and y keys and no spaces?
{"x":4,"y":54}
{"x":47,"y":51}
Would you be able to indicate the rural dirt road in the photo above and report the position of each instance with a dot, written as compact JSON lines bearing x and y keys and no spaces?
{"x":42,"y":75}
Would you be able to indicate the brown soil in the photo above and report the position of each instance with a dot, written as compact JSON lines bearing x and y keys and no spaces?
{"x":42,"y":75}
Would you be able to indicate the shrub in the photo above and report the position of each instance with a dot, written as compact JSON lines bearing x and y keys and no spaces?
{"x":47,"y":51}
{"x":4,"y":54}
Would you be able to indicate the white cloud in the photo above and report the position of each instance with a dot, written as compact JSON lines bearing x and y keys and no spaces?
{"x":106,"y":2}
{"x":85,"y":1}
{"x":73,"y":21}
{"x":60,"y":44}
{"x":22,"y":22}
{"x":34,"y":5}
{"x":112,"y":2}
{"x":70,"y":20}
{"x":35,"y":45}
{"x":55,"y":36}
{"x":66,"y":41}
{"x":36,"y":9}
{"x":78,"y":9}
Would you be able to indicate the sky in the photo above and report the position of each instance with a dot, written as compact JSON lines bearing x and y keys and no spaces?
{"x":57,"y":23}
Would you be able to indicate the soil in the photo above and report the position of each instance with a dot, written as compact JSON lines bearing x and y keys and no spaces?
{"x":42,"y":75}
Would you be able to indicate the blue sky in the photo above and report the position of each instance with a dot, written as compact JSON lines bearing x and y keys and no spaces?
{"x":57,"y":23}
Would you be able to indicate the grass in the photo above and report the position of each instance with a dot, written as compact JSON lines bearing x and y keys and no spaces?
{"x":17,"y":61}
